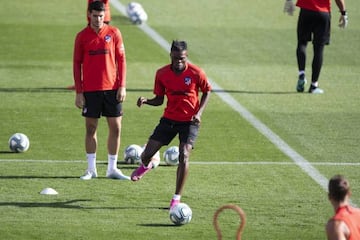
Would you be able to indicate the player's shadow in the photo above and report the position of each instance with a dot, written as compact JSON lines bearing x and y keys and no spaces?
{"x":71,"y":204}
{"x":66,"y":204}
{"x":157,"y":225}
{"x":64,"y":89}
{"x":7,"y":152}
{"x":37,"y":177}
{"x":39,"y":89}
{"x":225,"y":91}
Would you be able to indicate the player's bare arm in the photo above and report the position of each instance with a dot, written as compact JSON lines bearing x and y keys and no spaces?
{"x":336,"y":230}
{"x":203,"y":102}
{"x":156,"y":101}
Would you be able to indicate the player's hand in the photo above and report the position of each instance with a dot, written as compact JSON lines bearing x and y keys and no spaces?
{"x":196,"y":119}
{"x":121,"y":94}
{"x":289,"y":7}
{"x":141,"y":101}
{"x":343,"y":21}
{"x":79,"y":100}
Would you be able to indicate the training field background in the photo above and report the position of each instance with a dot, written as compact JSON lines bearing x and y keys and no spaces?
{"x":270,"y":151}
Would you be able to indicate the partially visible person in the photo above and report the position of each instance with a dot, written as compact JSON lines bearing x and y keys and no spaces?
{"x":345,"y":224}
{"x":100,"y":84}
{"x":313,"y":25}
{"x":180,"y":81}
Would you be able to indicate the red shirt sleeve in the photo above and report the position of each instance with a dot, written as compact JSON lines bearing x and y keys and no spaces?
{"x":121,"y":59}
{"x":77,"y":64}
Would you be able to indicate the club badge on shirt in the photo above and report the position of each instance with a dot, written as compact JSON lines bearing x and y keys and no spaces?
{"x":187,"y":80}
{"x":107,"y":38}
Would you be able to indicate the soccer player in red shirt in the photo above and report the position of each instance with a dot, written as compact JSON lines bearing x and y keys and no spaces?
{"x":107,"y":19}
{"x":99,"y":76}
{"x":345,"y":224}
{"x":313,"y":25}
{"x":180,"y":82}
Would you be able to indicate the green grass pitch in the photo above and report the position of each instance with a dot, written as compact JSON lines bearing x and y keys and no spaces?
{"x":247,"y":48}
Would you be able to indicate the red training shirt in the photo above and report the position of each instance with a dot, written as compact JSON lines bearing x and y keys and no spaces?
{"x":107,"y":17}
{"x":351,"y":216}
{"x":181,"y":90}
{"x":99,"y":60}
{"x":315,"y":5}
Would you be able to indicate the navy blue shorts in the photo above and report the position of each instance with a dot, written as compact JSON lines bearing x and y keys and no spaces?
{"x":167,"y":129}
{"x":314,"y":26}
{"x":101,"y":103}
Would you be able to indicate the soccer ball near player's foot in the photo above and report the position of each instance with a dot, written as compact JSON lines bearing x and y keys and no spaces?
{"x":180,"y":214}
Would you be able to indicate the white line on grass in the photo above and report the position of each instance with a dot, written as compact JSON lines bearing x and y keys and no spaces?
{"x":227,"y":98}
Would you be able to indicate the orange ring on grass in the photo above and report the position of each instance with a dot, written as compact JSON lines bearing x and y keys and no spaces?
{"x":242,"y":218}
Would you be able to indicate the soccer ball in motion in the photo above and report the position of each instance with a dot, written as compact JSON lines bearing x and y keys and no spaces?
{"x":132,"y":154}
{"x":180,"y":214}
{"x":19,"y":142}
{"x":136,"y":13}
{"x":171,"y":156}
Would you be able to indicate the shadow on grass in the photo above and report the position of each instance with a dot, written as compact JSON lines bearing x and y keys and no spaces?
{"x":65,"y":89}
{"x":7,"y":152}
{"x":35,"y":177}
{"x":72,"y":204}
{"x":158,"y":225}
{"x":67,"y":204}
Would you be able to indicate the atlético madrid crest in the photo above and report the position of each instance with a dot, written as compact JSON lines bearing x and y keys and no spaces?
{"x":187,"y":80}
{"x":107,"y":38}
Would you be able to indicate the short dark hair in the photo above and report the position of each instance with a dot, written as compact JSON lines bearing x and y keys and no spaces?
{"x":339,"y":187}
{"x":178,"y":46}
{"x":97,"y":6}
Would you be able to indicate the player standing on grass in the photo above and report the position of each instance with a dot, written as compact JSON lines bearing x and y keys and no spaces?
{"x":181,"y":82}
{"x":100,"y":78}
{"x":345,"y":224}
{"x":313,"y":24}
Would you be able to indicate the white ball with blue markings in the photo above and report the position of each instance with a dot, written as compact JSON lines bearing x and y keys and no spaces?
{"x":136,"y":13}
{"x":132,"y":154}
{"x":19,"y":143}
{"x":171,"y":156}
{"x":180,"y":214}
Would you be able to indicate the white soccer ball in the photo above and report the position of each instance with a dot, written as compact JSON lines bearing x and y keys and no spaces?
{"x":180,"y":214}
{"x":19,"y":142}
{"x":132,"y":154}
{"x":171,"y":156}
{"x":156,"y":159}
{"x":136,"y":13}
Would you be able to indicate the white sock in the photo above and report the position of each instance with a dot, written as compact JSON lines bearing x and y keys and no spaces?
{"x":91,"y":159}
{"x":112,"y":161}
{"x":177,"y":197}
{"x":301,"y":72}
{"x":315,"y":84}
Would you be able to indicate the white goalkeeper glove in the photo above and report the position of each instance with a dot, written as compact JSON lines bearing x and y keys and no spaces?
{"x":289,"y":7}
{"x":343,"y":21}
